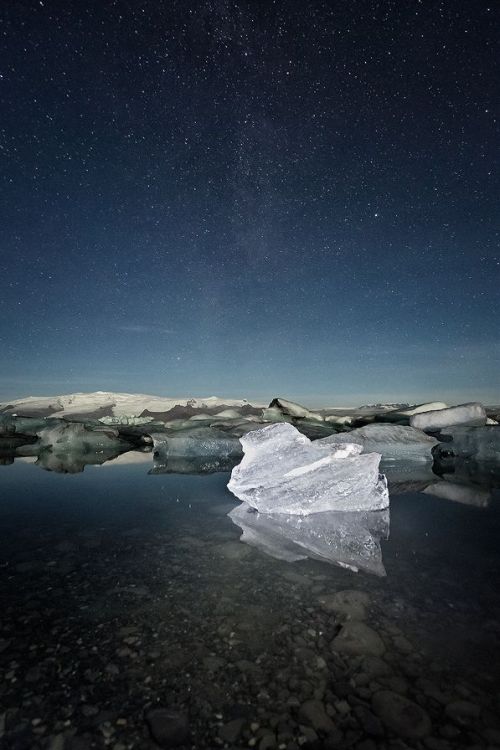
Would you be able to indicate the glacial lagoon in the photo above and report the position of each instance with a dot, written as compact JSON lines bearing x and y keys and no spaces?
{"x":133,"y":616}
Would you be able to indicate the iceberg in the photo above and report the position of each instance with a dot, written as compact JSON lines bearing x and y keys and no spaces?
{"x":291,"y":409}
{"x":431,"y":406}
{"x":76,"y":436}
{"x":350,"y":540}
{"x":282,"y":471}
{"x":392,"y":441}
{"x":431,"y":421}
{"x":195,"y":443}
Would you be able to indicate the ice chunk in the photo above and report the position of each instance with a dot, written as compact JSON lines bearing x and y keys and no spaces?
{"x":163,"y":464}
{"x":228,"y":414}
{"x":431,"y":421}
{"x":274,"y":415}
{"x":7,"y":424}
{"x":432,"y":406}
{"x":195,"y":443}
{"x":124,"y":419}
{"x":78,"y":437}
{"x":480,"y":443}
{"x":392,"y":441}
{"x":291,"y":409}
{"x":351,"y":540}
{"x":340,"y":420}
{"x":282,"y":471}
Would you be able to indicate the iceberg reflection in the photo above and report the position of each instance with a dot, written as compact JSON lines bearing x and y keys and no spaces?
{"x":348,"y":539}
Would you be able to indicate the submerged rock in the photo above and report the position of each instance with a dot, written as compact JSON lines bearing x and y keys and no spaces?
{"x":282,"y":471}
{"x":313,"y":713}
{"x":350,"y":603}
{"x":356,"y":638}
{"x":404,"y":717}
{"x":168,"y":728}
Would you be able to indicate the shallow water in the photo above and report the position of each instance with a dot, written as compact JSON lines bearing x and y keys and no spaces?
{"x":123,"y":592}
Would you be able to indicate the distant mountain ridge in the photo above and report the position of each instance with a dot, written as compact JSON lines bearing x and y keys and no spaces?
{"x":107,"y":403}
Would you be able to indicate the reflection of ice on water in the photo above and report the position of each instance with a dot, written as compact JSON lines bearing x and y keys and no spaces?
{"x":351,"y":540}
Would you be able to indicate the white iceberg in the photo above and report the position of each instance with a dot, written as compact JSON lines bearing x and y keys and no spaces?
{"x":282,"y":471}
{"x":466,"y":414}
{"x":392,"y":441}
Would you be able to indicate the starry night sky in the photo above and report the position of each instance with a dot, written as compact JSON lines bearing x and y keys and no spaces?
{"x":250,"y":199}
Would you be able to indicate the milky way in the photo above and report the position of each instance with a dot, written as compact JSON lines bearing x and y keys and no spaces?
{"x":250,"y":199}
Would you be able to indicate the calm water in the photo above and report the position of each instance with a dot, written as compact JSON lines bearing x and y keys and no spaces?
{"x":131,"y":610}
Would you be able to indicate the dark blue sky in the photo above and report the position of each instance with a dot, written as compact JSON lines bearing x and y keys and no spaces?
{"x":250,"y":199}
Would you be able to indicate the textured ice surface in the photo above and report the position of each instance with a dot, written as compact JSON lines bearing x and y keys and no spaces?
{"x":472,"y":414}
{"x":392,"y":441}
{"x":196,"y":442}
{"x":431,"y":406}
{"x":75,"y":436}
{"x":283,"y":472}
{"x":291,"y":409}
{"x":479,"y":443}
{"x":130,"y":404}
{"x":126,"y":420}
{"x":351,"y":540}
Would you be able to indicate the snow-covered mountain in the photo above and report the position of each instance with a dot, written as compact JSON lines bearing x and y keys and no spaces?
{"x":105,"y":403}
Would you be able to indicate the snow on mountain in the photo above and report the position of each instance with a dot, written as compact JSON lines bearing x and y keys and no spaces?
{"x":116,"y":404}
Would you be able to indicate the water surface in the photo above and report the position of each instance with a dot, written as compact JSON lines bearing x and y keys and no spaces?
{"x":124,"y":592}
